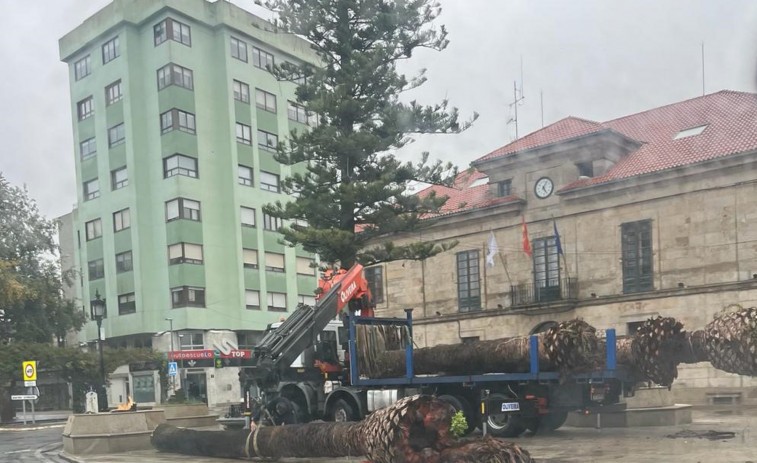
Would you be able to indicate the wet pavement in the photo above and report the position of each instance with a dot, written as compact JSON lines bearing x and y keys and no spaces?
{"x":571,"y":444}
{"x":652,"y":444}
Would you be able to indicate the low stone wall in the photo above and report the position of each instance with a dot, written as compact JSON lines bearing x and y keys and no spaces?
{"x":189,"y":415}
{"x":633,"y":417}
{"x":110,"y":432}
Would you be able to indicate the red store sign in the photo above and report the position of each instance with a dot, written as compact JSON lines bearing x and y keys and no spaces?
{"x":207,"y":354}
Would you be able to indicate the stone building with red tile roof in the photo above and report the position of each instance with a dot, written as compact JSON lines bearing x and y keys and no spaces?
{"x":656,"y":214}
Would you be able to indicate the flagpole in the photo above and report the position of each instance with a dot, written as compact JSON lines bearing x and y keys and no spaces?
{"x":486,"y":296}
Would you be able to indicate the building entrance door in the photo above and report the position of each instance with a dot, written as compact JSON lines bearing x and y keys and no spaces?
{"x":197,"y":386}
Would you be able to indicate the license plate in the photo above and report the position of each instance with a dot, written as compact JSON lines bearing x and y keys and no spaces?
{"x":598,"y":396}
{"x":511,"y":407}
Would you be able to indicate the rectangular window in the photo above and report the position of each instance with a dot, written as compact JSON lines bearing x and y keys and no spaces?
{"x":637,"y":256}
{"x":85,"y":108}
{"x":116,"y":135}
{"x":113,"y":93}
{"x":239,"y":49}
{"x":241,"y":91}
{"x":585,"y":169}
{"x":504,"y":188}
{"x":250,"y":258}
{"x":252,"y":299}
{"x":91,"y":189}
{"x":111,"y":50}
{"x":306,"y":300}
{"x":468,"y":281}
{"x":267,"y":141}
{"x":173,"y":74}
{"x":277,"y":302}
{"x":174,"y":30}
{"x":269,"y":182}
{"x":94,"y":229}
{"x":184,"y":253}
{"x":244,"y":133}
{"x":126,"y":304}
{"x":119,"y":178}
{"x":182,"y":208}
{"x":274,"y":262}
{"x":265,"y":100}
{"x":83,"y":68}
{"x":248,"y":216}
{"x":87,"y":148}
{"x":191,"y":341}
{"x":124,"y":262}
{"x":244,"y":174}
{"x":262,"y":59}
{"x":96,"y":269}
{"x":121,"y":220}
{"x":176,"y":119}
{"x":250,"y":339}
{"x":375,"y":278}
{"x":305,"y":266}
{"x":546,"y":269}
{"x":271,"y":223}
{"x":187,"y":296}
{"x":297,"y":113}
{"x":178,"y":164}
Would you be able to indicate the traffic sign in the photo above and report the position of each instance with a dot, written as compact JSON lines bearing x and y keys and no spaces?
{"x":30,"y":370}
{"x":30,"y":383}
{"x":173,"y":369}
{"x":24,"y":397}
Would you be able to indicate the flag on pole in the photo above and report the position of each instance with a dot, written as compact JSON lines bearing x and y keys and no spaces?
{"x":558,"y":244}
{"x":493,"y":250}
{"x":526,"y":242}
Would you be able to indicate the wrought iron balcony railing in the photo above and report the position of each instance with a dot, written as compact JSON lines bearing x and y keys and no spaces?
{"x":565,"y":289}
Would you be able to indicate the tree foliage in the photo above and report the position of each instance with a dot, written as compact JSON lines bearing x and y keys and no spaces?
{"x":32,"y":308}
{"x":74,"y":365}
{"x":353,"y":187}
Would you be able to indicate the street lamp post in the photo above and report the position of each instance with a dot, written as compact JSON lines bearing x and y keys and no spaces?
{"x":170,"y":330}
{"x":98,"y":313}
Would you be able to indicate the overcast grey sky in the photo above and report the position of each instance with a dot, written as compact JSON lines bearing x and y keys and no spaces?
{"x":596,"y":59}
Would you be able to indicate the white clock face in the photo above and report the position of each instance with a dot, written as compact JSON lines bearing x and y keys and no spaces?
{"x":543,"y":187}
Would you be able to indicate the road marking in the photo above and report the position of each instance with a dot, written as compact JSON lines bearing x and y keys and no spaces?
{"x":32,"y":429}
{"x":47,"y":448}
{"x":17,"y":451}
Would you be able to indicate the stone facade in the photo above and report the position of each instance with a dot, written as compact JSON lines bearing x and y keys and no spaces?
{"x":703,"y":220}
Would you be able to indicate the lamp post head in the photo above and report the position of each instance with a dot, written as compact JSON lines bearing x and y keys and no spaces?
{"x":98,"y":307}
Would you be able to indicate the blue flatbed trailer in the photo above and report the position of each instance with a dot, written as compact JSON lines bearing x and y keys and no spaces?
{"x":509,"y":402}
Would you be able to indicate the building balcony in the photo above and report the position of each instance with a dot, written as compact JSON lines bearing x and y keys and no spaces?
{"x":565,"y":289}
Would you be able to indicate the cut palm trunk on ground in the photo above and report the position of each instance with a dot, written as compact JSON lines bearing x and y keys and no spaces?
{"x":412,"y":430}
{"x":569,"y":347}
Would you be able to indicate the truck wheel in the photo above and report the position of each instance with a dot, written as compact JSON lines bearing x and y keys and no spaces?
{"x":342,"y":411}
{"x":549,"y":422}
{"x":460,"y":403}
{"x":504,"y":424}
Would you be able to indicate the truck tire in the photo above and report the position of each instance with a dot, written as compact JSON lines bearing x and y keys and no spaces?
{"x":460,"y":403}
{"x":505,"y":424}
{"x":547,"y":423}
{"x":342,"y":411}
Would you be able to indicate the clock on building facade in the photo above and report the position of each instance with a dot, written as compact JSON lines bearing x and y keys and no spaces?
{"x":543,"y":187}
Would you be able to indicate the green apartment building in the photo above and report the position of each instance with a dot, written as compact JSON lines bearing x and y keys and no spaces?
{"x":175,"y":118}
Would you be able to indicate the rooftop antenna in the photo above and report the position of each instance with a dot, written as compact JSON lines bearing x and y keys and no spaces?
{"x":541,"y":100}
{"x":517,"y":99}
{"x":703,"y":92}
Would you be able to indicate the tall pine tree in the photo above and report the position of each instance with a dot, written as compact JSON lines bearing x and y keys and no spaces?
{"x":353,"y":189}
